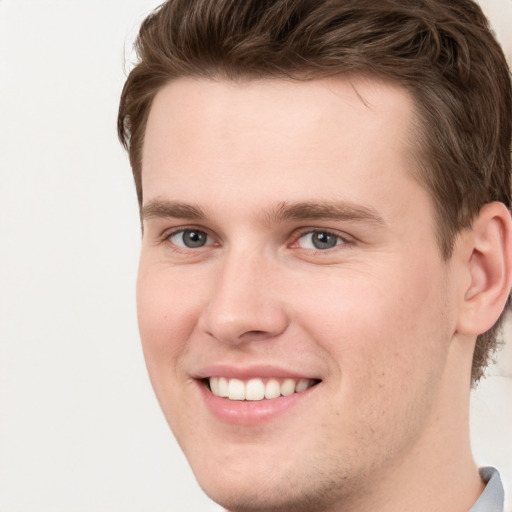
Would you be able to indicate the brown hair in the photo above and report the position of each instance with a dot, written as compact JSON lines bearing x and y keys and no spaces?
{"x":442,"y":51}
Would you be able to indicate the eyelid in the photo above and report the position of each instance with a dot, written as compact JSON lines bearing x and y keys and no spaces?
{"x":345,"y":238}
{"x":168,"y":233}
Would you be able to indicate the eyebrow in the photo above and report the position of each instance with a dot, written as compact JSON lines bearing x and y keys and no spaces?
{"x":319,"y":210}
{"x":158,"y":208}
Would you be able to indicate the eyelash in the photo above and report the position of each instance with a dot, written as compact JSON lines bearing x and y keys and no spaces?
{"x":178,"y":248}
{"x":341,"y":239}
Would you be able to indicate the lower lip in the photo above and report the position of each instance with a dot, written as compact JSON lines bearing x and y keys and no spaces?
{"x":249,"y":412}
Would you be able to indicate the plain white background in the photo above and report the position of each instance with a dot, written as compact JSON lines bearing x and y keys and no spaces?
{"x":80,"y":430}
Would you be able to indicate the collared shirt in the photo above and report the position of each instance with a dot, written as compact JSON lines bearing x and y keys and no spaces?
{"x":491,"y":500}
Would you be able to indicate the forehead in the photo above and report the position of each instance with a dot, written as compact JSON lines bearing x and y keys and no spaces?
{"x":290,"y":137}
{"x":273,"y":107}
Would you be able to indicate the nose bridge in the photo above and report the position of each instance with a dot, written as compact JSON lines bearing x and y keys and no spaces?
{"x":242,"y":306}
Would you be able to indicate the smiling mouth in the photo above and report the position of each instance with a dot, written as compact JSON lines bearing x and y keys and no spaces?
{"x":256,"y":388}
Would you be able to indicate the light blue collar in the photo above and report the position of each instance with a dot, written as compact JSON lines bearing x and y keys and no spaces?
{"x":491,"y":500}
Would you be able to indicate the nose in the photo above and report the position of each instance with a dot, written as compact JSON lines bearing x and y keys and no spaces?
{"x":244,"y":303}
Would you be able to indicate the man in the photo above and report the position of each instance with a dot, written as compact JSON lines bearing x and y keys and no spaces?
{"x":324,"y":190}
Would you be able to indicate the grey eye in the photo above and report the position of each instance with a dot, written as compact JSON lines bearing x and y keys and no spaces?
{"x":319,"y":240}
{"x":189,"y":238}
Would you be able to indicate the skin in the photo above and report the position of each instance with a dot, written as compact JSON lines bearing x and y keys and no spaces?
{"x":385,"y":324}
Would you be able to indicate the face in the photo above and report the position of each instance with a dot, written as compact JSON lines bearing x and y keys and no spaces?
{"x":293,"y":305}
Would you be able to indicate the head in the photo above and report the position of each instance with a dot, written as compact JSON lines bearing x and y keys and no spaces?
{"x":324,"y":188}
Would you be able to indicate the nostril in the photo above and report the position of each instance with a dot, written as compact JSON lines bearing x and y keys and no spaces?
{"x":255,"y":334}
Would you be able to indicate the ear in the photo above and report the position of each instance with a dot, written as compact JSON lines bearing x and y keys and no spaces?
{"x":489,"y":263}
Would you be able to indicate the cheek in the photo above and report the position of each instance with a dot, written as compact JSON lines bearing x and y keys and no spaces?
{"x":166,"y":318}
{"x":387,"y":350}
{"x":380,"y":322}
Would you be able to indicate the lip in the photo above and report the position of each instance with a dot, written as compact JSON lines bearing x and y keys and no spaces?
{"x":248,"y":412}
{"x":252,"y":372}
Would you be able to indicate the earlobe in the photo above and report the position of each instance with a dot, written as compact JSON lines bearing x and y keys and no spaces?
{"x":490,"y":269}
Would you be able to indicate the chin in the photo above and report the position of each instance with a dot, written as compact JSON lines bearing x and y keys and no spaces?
{"x":265,"y":485}
{"x":253,"y":497}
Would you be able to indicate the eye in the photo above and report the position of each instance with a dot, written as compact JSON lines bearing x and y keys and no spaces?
{"x":189,"y":238}
{"x":319,"y":240}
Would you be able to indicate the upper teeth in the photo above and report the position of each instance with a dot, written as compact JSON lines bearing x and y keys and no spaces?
{"x":257,"y":389}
